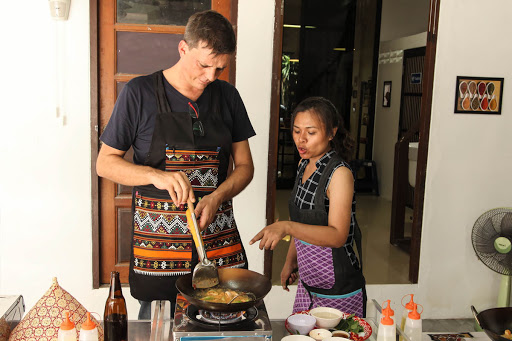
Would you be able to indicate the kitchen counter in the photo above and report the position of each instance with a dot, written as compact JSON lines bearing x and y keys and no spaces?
{"x":140,"y":330}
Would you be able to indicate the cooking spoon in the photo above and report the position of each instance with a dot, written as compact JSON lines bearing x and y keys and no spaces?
{"x":205,"y":274}
{"x":250,"y":294}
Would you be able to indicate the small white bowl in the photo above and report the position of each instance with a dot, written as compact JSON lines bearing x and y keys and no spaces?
{"x":326,"y":317}
{"x":297,"y":338}
{"x":301,"y":323}
{"x":320,"y":334}
{"x":341,"y":333}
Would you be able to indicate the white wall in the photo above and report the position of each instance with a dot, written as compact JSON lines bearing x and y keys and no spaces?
{"x":45,"y":205}
{"x":469,"y":160}
{"x":401,"y":18}
{"x":387,"y":118}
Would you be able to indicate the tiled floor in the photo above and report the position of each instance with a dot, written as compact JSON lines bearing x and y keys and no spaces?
{"x":383,"y":263}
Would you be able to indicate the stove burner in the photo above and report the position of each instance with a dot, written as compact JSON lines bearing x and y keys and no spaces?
{"x":219,"y":320}
{"x":218,"y":317}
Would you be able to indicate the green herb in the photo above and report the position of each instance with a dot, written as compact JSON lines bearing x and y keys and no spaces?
{"x":350,"y":325}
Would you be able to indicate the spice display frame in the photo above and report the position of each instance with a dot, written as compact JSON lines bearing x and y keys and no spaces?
{"x":474,"y":95}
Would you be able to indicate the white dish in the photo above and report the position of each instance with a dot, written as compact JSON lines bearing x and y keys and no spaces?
{"x":341,"y":333}
{"x":301,"y":323}
{"x":297,"y":338}
{"x":320,"y":334}
{"x":326,"y":317}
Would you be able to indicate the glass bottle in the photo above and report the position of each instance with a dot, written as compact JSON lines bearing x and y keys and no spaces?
{"x":115,"y":318}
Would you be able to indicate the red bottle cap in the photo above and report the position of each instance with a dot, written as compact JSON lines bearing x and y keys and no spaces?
{"x":67,"y":324}
{"x":88,"y":324}
{"x":386,"y":315}
{"x":409,"y":305}
{"x":414,"y":315}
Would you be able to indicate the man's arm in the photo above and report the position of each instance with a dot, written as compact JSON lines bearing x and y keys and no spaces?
{"x":111,"y":165}
{"x":234,"y":184}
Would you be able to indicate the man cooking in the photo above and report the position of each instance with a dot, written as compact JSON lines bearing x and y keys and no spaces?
{"x":184,"y":126}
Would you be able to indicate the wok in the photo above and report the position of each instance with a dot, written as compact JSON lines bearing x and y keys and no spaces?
{"x":231,"y":278}
{"x":494,"y":321}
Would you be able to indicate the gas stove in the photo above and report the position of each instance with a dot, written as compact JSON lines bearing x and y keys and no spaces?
{"x":193,"y":324}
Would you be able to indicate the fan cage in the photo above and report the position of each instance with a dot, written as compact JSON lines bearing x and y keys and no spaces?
{"x":489,"y":226}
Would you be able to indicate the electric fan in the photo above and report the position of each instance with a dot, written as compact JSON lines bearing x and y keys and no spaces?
{"x":492,"y":241}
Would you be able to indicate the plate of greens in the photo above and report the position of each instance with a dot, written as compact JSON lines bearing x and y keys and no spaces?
{"x":358,"y":328}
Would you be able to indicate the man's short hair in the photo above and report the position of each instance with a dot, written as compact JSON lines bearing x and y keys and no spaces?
{"x":213,"y":29}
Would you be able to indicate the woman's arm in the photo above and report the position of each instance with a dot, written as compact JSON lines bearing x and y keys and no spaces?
{"x":340,"y":193}
{"x":288,"y":274}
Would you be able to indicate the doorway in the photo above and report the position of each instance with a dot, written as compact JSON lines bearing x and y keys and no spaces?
{"x":346,"y":73}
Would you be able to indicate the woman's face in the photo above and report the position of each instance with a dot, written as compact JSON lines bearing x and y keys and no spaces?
{"x":310,"y":137}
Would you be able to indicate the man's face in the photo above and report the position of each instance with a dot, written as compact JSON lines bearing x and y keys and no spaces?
{"x":201,"y":66}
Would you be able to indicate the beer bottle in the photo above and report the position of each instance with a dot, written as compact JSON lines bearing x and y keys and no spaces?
{"x":115,"y":318}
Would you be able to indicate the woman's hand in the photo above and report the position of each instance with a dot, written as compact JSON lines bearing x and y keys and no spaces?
{"x":271,"y":235}
{"x":289,"y":275}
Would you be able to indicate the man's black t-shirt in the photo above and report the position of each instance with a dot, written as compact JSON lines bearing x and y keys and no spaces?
{"x":133,"y":118}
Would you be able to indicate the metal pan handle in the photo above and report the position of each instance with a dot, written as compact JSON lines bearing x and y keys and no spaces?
{"x":475,"y":314}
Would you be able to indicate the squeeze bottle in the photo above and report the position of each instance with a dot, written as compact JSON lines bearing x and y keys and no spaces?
{"x":88,"y":332}
{"x":413,"y":324}
{"x":407,"y":309}
{"x":67,"y":330}
{"x":387,"y":329}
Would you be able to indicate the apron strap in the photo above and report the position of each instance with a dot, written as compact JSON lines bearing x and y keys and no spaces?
{"x":358,"y":236}
{"x":307,"y":287}
{"x":296,"y":183}
{"x":321,"y":190}
{"x":161,"y":99}
{"x":320,"y":203}
{"x":215,"y":98}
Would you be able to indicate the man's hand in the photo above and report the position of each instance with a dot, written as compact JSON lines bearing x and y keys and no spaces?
{"x":111,"y":165}
{"x":271,"y":235}
{"x":177,"y":184}
{"x":206,"y":210}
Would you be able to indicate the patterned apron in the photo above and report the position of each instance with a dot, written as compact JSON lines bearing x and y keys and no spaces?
{"x":327,"y":276}
{"x":162,"y":246}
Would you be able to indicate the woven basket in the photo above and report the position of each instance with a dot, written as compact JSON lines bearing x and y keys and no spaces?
{"x":42,"y":322}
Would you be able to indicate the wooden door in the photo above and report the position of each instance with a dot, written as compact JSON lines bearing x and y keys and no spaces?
{"x":135,"y":38}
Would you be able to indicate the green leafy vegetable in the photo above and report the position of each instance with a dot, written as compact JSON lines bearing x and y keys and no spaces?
{"x":350,"y":325}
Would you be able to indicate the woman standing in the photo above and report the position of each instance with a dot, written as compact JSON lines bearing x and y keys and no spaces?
{"x":322,"y":213}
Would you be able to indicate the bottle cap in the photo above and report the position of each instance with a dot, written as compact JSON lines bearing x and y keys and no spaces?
{"x":409,"y":305}
{"x":386,"y":319}
{"x":88,"y":324}
{"x":390,"y":312}
{"x":67,"y":324}
{"x":414,"y":315}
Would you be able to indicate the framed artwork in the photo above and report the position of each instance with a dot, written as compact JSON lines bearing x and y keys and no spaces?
{"x":478,"y":95}
{"x":386,"y":94}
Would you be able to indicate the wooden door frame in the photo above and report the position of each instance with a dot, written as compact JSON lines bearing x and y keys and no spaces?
{"x":425,"y":115}
{"x":424,"y":130}
{"x":229,"y":10}
{"x":93,"y":36}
